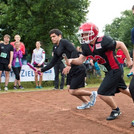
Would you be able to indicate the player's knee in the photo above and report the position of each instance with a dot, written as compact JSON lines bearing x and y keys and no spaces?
{"x":100,"y":96}
{"x":72,"y":92}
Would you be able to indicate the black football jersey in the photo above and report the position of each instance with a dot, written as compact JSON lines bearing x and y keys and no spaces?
{"x":64,"y":47}
{"x":103,"y":51}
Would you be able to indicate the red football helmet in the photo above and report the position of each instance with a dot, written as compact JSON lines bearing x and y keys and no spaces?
{"x":87,"y":32}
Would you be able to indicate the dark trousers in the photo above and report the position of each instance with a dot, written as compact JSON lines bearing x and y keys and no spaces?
{"x":16,"y":71}
{"x":58,"y":68}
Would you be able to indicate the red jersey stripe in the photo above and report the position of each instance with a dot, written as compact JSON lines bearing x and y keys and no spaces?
{"x":111,"y":59}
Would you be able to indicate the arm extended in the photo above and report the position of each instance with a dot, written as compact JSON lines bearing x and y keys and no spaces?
{"x":77,"y":61}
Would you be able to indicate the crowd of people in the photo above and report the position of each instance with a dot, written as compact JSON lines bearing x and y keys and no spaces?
{"x":11,"y":57}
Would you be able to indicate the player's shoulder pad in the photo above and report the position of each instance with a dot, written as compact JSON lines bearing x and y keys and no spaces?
{"x":107,"y":39}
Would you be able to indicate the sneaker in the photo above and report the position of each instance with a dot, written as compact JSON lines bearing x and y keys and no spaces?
{"x":15,"y":87}
{"x":37,"y":87}
{"x":21,"y":87}
{"x":114,"y":114}
{"x":84,"y":106}
{"x":55,"y":88}
{"x":40,"y":87}
{"x":93,"y":98}
{"x":6,"y":88}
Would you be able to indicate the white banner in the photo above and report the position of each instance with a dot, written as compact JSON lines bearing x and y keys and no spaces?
{"x":27,"y":74}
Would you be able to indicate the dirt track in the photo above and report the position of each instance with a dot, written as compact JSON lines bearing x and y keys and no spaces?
{"x":54,"y":112}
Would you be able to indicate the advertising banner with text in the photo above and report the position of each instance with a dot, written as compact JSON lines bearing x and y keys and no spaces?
{"x":27,"y":74}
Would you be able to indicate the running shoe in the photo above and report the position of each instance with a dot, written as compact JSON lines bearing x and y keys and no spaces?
{"x":15,"y":87}
{"x":114,"y":114}
{"x":93,"y":98}
{"x":40,"y":87}
{"x":84,"y":106}
{"x":55,"y":88}
{"x":21,"y":87}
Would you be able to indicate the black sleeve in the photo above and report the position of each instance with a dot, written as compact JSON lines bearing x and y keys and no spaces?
{"x":85,"y":49}
{"x":51,"y":64}
{"x":11,"y":48}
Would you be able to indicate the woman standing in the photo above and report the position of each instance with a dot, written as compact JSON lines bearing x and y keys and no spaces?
{"x":17,"y":64}
{"x":38,"y":58}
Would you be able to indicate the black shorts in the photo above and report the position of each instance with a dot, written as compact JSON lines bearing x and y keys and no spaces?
{"x":131,"y":87}
{"x":112,"y":82}
{"x":4,"y":67}
{"x":77,"y":77}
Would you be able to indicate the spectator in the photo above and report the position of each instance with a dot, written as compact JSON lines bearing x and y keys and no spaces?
{"x":38,"y":58}
{"x":58,"y":68}
{"x":89,"y":66}
{"x":17,"y":64}
{"x":97,"y":69}
{"x":1,"y":41}
{"x":22,"y":47}
{"x":24,"y":58}
{"x":120,"y":57}
{"x":6,"y":57}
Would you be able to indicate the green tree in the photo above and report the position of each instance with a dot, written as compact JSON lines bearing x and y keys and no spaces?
{"x":33,"y":19}
{"x":120,"y":29}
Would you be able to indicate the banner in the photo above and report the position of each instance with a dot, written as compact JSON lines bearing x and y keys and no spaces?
{"x":27,"y":74}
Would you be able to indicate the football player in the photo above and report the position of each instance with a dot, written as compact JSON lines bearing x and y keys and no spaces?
{"x":102,"y":50}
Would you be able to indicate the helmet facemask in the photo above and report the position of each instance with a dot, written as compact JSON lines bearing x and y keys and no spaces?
{"x":87,"y":33}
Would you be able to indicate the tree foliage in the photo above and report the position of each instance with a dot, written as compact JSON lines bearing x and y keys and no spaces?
{"x":33,"y":19}
{"x":120,"y":29}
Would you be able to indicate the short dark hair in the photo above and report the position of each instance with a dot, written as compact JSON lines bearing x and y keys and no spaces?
{"x":133,"y":7}
{"x":56,"y":31}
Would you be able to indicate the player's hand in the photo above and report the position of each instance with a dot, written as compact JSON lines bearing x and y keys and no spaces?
{"x":69,"y":61}
{"x":66,"y":70}
{"x":129,"y":63}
